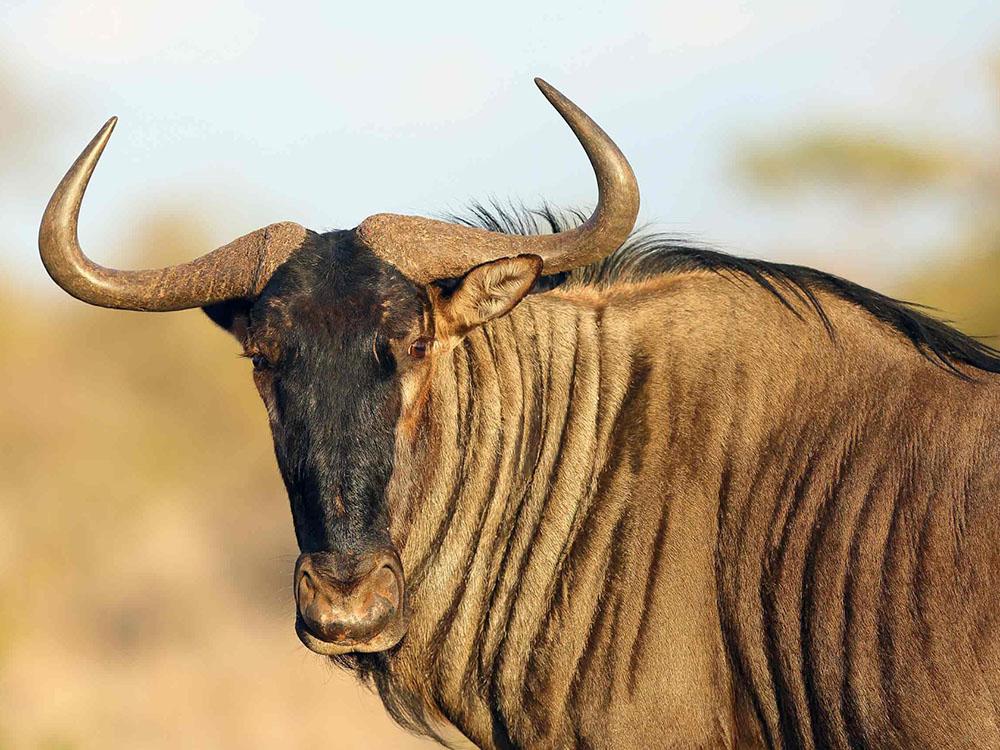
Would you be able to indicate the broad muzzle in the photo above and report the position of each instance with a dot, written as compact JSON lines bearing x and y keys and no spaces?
{"x":349,"y":604}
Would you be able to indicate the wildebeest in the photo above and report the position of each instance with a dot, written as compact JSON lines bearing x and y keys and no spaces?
{"x":559,"y":484}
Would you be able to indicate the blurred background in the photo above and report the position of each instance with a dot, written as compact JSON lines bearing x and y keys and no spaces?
{"x":146,"y":548}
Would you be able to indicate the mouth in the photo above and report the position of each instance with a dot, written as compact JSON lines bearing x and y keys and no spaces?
{"x":381,"y":642}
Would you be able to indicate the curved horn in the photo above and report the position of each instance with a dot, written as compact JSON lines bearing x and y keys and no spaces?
{"x":425,"y":250}
{"x":239,"y":269}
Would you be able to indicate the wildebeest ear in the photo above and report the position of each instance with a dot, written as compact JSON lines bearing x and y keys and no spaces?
{"x":233,"y":315}
{"x":486,"y":292}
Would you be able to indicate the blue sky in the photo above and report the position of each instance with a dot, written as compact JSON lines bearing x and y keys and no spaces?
{"x":239,"y":114}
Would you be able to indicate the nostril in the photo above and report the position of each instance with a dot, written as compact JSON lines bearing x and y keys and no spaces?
{"x":385,"y":584}
{"x":305,"y":590}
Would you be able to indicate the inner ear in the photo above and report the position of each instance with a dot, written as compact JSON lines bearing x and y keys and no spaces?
{"x":485,"y":293}
{"x":233,"y":315}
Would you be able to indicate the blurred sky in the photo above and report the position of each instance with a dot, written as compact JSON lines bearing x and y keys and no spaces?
{"x":239,"y":114}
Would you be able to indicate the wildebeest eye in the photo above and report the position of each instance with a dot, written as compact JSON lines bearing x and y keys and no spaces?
{"x":419,"y":348}
{"x":260,"y":362}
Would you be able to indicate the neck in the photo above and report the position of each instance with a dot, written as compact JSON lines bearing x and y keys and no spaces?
{"x":520,"y":543}
{"x":508,"y":429}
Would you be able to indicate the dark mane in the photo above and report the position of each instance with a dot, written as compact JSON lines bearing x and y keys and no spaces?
{"x":648,"y":254}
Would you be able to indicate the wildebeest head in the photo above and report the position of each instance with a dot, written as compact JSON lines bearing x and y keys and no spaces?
{"x":333,"y":337}
{"x":341,"y":329}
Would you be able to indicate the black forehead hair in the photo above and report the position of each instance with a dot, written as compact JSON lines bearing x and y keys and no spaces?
{"x":334,"y":284}
{"x":325,"y":319}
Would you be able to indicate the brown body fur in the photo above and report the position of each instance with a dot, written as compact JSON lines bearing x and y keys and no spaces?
{"x":693,"y":519}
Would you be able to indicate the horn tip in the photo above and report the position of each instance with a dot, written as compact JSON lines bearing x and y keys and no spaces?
{"x":556,"y":98}
{"x":544,"y":86}
{"x":104,"y":134}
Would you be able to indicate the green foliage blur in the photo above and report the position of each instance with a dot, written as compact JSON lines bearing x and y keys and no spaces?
{"x":877,"y":167}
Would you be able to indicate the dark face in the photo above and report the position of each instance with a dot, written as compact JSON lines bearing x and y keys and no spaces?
{"x":328,"y":338}
{"x":339,"y":339}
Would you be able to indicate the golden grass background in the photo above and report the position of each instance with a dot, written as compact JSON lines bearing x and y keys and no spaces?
{"x":146,"y":547}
